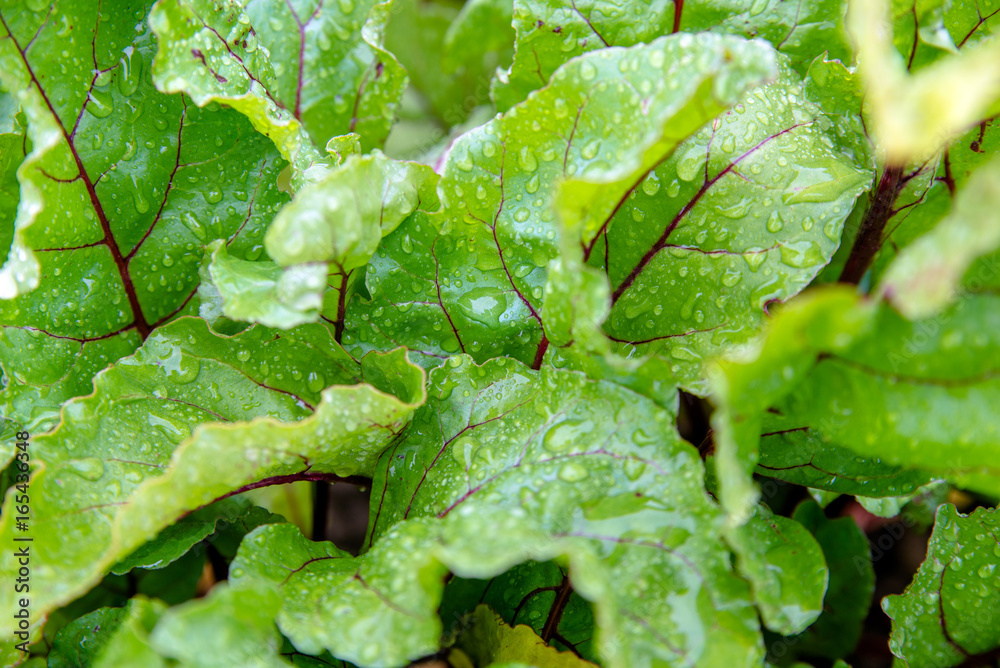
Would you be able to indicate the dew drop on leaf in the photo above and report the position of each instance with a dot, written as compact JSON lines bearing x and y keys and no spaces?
{"x":88,"y":468}
{"x":573,"y":472}
{"x":100,"y":104}
{"x":315,"y":381}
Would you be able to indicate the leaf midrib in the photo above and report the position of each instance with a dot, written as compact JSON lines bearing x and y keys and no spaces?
{"x":661,"y":242}
{"x":140,"y":323}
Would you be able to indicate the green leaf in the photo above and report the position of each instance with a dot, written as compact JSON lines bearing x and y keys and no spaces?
{"x":121,"y":190}
{"x":330,"y":70}
{"x":450,"y":51}
{"x":331,"y":600}
{"x":342,"y":218}
{"x":13,"y":657}
{"x":889,"y":506}
{"x":229,"y":628}
{"x":505,"y":465}
{"x":470,"y":465}
{"x":123,"y":463}
{"x":836,"y":89}
{"x":963,"y":158}
{"x":693,"y":263}
{"x":745,"y":388}
{"x":175,"y":583}
{"x":175,"y":540}
{"x":320,"y":240}
{"x":919,"y":32}
{"x":129,"y":645}
{"x":852,"y":583}
{"x":362,"y":419}
{"x":793,"y":452}
{"x":496,"y":228}
{"x":484,"y":28}
{"x":936,"y":364}
{"x":111,"y":592}
{"x":948,"y":614}
{"x":281,"y":79}
{"x":913,"y":116}
{"x":927,"y":274}
{"x":850,"y":373}
{"x":262,"y":291}
{"x":81,"y":641}
{"x":929,"y":30}
{"x":549,"y":33}
{"x":971,"y":23}
{"x":229,"y":534}
{"x":925,"y":199}
{"x":786,"y":569}
{"x":538,"y":595}
{"x":489,"y":640}
{"x":13,"y":147}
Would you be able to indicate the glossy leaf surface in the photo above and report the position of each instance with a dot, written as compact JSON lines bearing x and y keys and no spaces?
{"x":444,"y":502}
{"x":948,"y":613}
{"x":123,"y":187}
{"x":549,"y":33}
{"x":109,"y":478}
{"x":785,"y":567}
{"x":693,"y":265}
{"x":849,"y":593}
{"x":551,"y":307}
{"x":219,"y":53}
{"x":471,"y":278}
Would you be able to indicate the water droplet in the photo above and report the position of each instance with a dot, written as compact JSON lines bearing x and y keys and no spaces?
{"x":564,"y":435}
{"x":532,"y":185}
{"x":130,"y":72}
{"x":193,"y":224}
{"x":801,"y":254}
{"x":464,"y":449}
{"x":99,"y":104}
{"x":526,"y":159}
{"x":755,"y":258}
{"x":634,"y":468}
{"x":832,"y":230}
{"x":484,"y":305}
{"x":573,"y":472}
{"x":88,"y":468}
{"x":651,"y":185}
{"x":774,"y":222}
{"x":139,"y":196}
{"x":690,"y":166}
{"x":731,"y":277}
{"x":181,"y":369}
{"x":315,"y":381}
{"x":464,"y":162}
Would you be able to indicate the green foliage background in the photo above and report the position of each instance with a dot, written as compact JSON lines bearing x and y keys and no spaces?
{"x":613,"y":306}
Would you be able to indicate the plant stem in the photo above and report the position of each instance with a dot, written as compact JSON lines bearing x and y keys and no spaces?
{"x":869,"y":238}
{"x":321,"y":509}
